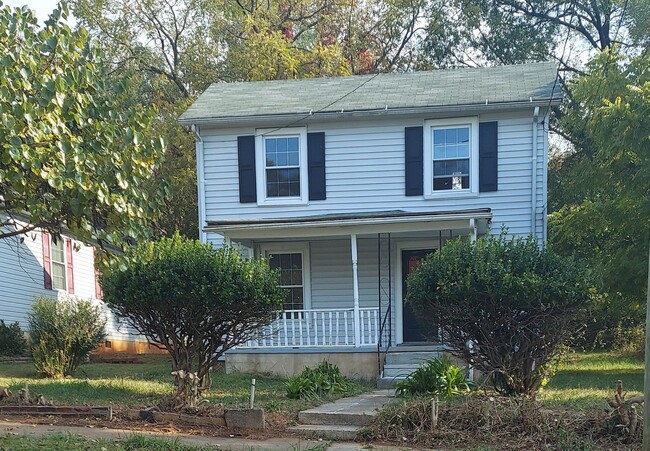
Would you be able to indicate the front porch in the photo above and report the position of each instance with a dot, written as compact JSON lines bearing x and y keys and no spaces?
{"x":345,"y":278}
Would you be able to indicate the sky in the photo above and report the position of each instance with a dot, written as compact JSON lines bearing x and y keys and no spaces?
{"x":42,"y":7}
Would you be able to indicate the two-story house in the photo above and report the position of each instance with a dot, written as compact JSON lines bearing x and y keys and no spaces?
{"x":345,"y":184}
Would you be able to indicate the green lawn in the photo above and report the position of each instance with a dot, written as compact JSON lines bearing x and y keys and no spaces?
{"x":69,"y":442}
{"x":145,"y":384}
{"x":586,"y":380}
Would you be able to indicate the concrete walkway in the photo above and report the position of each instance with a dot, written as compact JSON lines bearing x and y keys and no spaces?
{"x":222,"y":443}
{"x":343,"y":418}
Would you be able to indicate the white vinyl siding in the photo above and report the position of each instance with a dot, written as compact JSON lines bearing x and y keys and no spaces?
{"x":21,"y":281}
{"x":365,"y":173}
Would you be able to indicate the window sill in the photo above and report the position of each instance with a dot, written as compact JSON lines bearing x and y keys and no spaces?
{"x":282,"y":203}
{"x":451,"y":194}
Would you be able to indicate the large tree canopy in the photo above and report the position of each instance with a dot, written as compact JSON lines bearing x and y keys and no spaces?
{"x":75,"y":150}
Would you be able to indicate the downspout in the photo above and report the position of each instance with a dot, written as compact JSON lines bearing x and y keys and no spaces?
{"x":200,"y":182}
{"x":533,"y":206}
{"x":545,"y":194}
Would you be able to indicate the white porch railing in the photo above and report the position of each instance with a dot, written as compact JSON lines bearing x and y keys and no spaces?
{"x":319,"y":328}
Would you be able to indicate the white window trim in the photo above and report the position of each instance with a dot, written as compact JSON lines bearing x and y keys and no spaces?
{"x":293,"y":248}
{"x":62,"y":240}
{"x":260,"y":166}
{"x":429,"y":126}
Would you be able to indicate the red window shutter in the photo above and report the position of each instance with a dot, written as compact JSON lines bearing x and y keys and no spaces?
{"x":69,"y":273}
{"x":47,"y":261}
{"x":98,"y":288}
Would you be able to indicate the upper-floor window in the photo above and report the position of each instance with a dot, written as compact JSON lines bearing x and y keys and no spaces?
{"x":281,"y":166}
{"x":451,"y":157}
{"x":59,"y":276}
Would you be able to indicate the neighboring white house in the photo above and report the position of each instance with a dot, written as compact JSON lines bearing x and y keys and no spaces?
{"x":34,"y":264}
{"x":347,"y":183}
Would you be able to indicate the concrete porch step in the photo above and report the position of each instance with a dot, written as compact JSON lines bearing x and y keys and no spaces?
{"x":401,"y":370}
{"x":326,"y":431}
{"x":341,"y":419}
{"x":410,"y":357}
{"x":384,"y":383}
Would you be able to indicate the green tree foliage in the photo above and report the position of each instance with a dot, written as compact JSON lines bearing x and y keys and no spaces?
{"x":63,"y":333}
{"x":12,"y":340}
{"x":602,"y":191}
{"x":71,"y":154}
{"x":505,"y":306}
{"x":195,"y":301}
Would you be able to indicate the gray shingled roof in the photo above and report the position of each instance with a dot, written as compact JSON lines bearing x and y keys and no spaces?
{"x":502,"y":85}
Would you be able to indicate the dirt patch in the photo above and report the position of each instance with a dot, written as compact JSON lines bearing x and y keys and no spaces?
{"x":121,"y":421}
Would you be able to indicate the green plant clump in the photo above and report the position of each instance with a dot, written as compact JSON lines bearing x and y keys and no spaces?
{"x":436,"y":377}
{"x":63,"y":333}
{"x":12,"y":340}
{"x":324,"y":380}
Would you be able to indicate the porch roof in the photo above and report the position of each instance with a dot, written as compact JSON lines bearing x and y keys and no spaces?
{"x":346,"y":223}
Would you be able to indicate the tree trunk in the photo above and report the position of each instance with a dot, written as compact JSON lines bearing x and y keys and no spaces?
{"x":187,"y":391}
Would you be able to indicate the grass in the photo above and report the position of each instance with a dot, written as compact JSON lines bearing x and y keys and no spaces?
{"x":69,"y":442}
{"x":145,"y":384}
{"x":586,"y":380}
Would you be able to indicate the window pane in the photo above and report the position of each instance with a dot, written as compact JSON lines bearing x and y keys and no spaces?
{"x":271,"y":153}
{"x":440,"y":184}
{"x":56,"y":251}
{"x":281,"y":145}
{"x":463,"y":135}
{"x":463,"y":150}
{"x":293,"y":158}
{"x":282,"y":159}
{"x":58,"y":276}
{"x":439,"y":137}
{"x":452,"y":151}
{"x":463,"y":166}
{"x":451,"y":135}
{"x":292,"y":144}
{"x":296,"y":277}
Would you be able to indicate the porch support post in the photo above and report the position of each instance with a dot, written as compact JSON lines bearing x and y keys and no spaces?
{"x":473,"y":230}
{"x":355,"y":292}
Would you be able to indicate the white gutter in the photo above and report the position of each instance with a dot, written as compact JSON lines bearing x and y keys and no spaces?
{"x":348,"y":222}
{"x":200,"y":183}
{"x":533,"y":206}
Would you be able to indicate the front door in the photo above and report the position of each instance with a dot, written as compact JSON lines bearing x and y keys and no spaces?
{"x":413,"y":331}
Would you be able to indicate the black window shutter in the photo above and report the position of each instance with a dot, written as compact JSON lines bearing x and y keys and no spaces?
{"x":414,"y":157}
{"x":488,"y":171}
{"x":247,"y":175}
{"x":316,"y":165}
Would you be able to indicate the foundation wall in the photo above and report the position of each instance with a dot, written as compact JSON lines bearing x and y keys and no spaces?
{"x":358,"y":365}
{"x":126,"y":347}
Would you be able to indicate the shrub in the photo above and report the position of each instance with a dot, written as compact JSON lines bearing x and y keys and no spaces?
{"x":12,"y":340}
{"x":63,"y":333}
{"x":312,"y":383}
{"x":193,"y":300}
{"x":436,"y":377}
{"x":506,"y":306}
